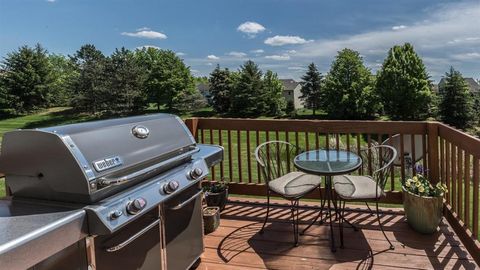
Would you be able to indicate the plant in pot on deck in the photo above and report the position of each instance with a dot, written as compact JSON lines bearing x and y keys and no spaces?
{"x":423,"y":202}
{"x":216,"y":194}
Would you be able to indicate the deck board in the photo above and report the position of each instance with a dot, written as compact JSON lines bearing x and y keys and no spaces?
{"x":236,"y":244}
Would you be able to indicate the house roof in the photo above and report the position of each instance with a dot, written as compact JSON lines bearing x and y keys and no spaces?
{"x":473,"y":85}
{"x":203,"y":87}
{"x":289,"y":84}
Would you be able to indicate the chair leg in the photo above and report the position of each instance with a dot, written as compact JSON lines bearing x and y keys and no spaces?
{"x":268,"y":211}
{"x":340,"y":222}
{"x":345,"y":220}
{"x":319,"y":216}
{"x":294,"y":212}
{"x":381,"y":226}
{"x":369,"y":209}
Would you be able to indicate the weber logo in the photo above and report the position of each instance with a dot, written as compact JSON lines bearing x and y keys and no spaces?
{"x":108,"y":163}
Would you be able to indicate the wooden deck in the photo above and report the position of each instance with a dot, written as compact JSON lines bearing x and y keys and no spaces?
{"x":238,"y":245}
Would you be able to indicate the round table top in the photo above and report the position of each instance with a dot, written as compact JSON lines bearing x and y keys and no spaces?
{"x":327,"y":162}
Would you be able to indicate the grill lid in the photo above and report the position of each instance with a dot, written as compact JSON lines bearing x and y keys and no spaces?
{"x":88,"y":161}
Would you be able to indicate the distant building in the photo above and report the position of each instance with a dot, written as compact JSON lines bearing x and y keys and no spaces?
{"x":473,"y":86}
{"x":204,"y":89}
{"x":291,"y":92}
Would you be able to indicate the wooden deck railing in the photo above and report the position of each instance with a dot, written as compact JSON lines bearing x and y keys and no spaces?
{"x":449,"y":155}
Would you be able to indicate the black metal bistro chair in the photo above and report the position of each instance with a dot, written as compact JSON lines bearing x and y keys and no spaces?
{"x":378,"y":163}
{"x":275,"y":159}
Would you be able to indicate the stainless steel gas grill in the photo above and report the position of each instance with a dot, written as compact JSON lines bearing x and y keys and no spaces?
{"x":131,"y":183}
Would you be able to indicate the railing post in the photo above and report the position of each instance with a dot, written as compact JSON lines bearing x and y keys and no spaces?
{"x":433,"y":159}
{"x":192,"y":124}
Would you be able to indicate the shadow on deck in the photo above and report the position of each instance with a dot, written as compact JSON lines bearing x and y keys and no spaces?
{"x":236,"y":244}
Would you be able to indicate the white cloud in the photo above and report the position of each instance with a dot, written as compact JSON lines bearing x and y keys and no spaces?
{"x":51,"y":1}
{"x":291,"y":52}
{"x":145,"y":34}
{"x":259,"y":51}
{"x":180,"y":53}
{"x":148,"y":46}
{"x":143,"y":29}
{"x":472,"y":56}
{"x":237,"y":54}
{"x":212,"y":57}
{"x":283,"y":57}
{"x":399,"y":27}
{"x":445,"y":32}
{"x":285,"y":40}
{"x":251,"y":28}
{"x":297,"y":68}
{"x":195,"y":71}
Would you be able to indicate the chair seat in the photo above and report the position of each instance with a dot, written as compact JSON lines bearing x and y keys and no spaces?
{"x":356,"y":187}
{"x":294,"y":184}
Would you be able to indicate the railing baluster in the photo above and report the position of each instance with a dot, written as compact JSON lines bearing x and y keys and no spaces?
{"x":392,"y":171}
{"x":424,"y":151}
{"x":249,"y":154}
{"x":202,"y":132}
{"x":327,"y":141}
{"x":317,"y":143}
{"x":358,"y":152}
{"x":259,"y":174}
{"x":211,"y":142}
{"x":307,"y":146}
{"x":466,"y":203}
{"x":369,"y":142}
{"x":454,"y":177}
{"x":442,"y":160}
{"x":475,"y":196}
{"x":287,"y":139}
{"x":459,"y":183}
{"x":337,"y":139}
{"x":230,"y":163}
{"x":239,"y":156}
{"x":448,"y":169}
{"x":347,"y":138}
{"x":414,"y":158}
{"x":402,"y":157}
{"x":222,"y":163}
{"x":296,"y":139}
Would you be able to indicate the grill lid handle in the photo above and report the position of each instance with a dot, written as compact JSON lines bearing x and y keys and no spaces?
{"x":107,"y":181}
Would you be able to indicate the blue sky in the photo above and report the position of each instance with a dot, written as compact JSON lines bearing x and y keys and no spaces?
{"x":281,"y":35}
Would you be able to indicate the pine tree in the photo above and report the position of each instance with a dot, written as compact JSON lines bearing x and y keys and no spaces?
{"x":89,"y":88}
{"x":220,"y":83}
{"x":404,"y":86}
{"x":247,"y":96}
{"x":27,"y":79}
{"x":456,"y":106}
{"x":349,"y":88}
{"x":312,"y":88}
{"x":125,"y":83}
{"x":273,"y":91}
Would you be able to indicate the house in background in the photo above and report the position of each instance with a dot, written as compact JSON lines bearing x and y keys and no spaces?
{"x":473,"y":86}
{"x":204,"y":89}
{"x":291,"y":92}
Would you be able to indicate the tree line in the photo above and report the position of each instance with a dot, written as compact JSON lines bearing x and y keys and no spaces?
{"x":401,"y":90}
{"x":125,"y":82}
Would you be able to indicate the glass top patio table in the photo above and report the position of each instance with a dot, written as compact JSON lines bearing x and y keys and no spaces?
{"x":327,"y":162}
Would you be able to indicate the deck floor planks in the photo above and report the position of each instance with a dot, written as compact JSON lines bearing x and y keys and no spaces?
{"x":238,"y":245}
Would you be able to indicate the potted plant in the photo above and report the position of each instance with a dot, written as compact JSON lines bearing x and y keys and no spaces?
{"x":216,"y":194}
{"x":423,"y":202}
{"x":211,"y":218}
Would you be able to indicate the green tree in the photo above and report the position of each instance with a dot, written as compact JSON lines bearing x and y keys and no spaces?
{"x":27,"y":79}
{"x":125,"y":83}
{"x":404,"y":86}
{"x":312,"y":88}
{"x":456,"y":105}
{"x":221,"y":84}
{"x":63,"y":73}
{"x":89,"y":87}
{"x":273,"y":91}
{"x":349,"y":88}
{"x":247,"y":97}
{"x":168,"y":78}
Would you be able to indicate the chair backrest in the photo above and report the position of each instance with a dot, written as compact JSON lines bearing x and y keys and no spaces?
{"x":378,"y":162}
{"x":275,"y":158}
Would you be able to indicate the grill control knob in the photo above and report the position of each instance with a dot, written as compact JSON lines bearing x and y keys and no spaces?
{"x":195,"y":173}
{"x":171,"y":186}
{"x":115,"y":214}
{"x":136,"y":206}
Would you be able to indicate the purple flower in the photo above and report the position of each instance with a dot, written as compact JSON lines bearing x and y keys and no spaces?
{"x":420,"y":169}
